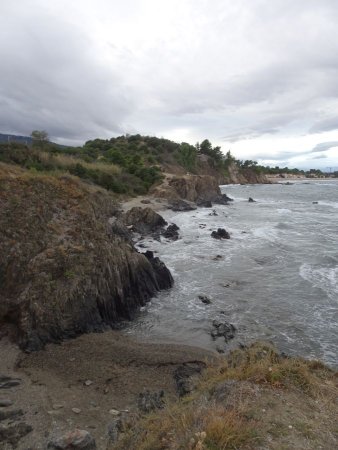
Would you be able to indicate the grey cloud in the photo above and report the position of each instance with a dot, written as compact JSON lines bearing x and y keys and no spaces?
{"x":320,"y":157}
{"x":217,"y":69}
{"x":324,"y":146}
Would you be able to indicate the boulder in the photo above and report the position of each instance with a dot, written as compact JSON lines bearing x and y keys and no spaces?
{"x":251,"y":200}
{"x":205,"y":299}
{"x":171,"y":232}
{"x":143,"y":220}
{"x":74,"y":440}
{"x":223,"y":329}
{"x":221,"y":233}
{"x":223,"y":199}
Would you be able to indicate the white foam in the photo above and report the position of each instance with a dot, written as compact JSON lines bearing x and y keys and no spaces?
{"x":325,"y":278}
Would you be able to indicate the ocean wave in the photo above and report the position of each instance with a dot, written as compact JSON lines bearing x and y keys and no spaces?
{"x":325,"y":278}
{"x":332,"y":204}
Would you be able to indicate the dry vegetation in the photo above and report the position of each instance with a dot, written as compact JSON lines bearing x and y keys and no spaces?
{"x":254,"y":399}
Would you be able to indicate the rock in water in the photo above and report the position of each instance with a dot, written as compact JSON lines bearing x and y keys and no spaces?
{"x":182,"y":205}
{"x":205,"y":299}
{"x":74,"y":440}
{"x":204,"y":204}
{"x":251,"y":200}
{"x":171,"y":232}
{"x":223,"y":329}
{"x":221,"y":233}
{"x":163,"y":276}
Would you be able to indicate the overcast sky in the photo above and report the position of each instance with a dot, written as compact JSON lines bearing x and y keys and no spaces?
{"x":259,"y":77}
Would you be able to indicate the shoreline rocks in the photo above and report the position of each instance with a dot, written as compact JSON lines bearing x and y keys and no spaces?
{"x":221,"y":233}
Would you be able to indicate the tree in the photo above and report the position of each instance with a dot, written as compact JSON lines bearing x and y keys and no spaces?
{"x":187,"y":156}
{"x":40,"y":138}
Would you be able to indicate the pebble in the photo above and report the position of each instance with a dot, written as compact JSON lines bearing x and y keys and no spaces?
{"x":76,"y":410}
{"x":88,"y":382}
{"x":5,"y":402}
{"x":114,"y":412}
{"x":57,"y":406}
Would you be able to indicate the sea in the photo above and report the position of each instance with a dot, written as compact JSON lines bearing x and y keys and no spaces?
{"x":275,"y":279}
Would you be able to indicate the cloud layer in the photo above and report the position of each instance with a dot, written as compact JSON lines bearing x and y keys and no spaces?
{"x":248,"y":74}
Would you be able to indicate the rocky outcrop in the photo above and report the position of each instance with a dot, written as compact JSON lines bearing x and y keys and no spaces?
{"x":143,"y":220}
{"x":237,"y":175}
{"x":194,"y":188}
{"x":64,"y":269}
{"x":221,"y":233}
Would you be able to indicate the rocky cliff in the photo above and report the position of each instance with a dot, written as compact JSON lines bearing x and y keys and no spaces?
{"x":244,"y":176}
{"x":65,"y":269}
{"x":189,"y":187}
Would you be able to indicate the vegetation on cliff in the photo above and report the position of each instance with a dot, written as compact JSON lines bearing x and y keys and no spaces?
{"x":64,"y":268}
{"x":126,"y":164}
{"x":253,"y":399}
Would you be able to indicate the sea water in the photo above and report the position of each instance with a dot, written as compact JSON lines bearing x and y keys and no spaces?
{"x":276,"y":279}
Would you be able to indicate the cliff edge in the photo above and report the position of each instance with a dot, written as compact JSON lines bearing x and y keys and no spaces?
{"x":65,"y":268}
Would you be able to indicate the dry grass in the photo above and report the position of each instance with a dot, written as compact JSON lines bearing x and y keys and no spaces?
{"x":252,"y":398}
{"x":65,"y":161}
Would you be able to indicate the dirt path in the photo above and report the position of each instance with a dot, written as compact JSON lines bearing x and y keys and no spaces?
{"x":94,"y":373}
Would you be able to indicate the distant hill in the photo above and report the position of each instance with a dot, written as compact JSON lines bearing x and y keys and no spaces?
{"x":15,"y":138}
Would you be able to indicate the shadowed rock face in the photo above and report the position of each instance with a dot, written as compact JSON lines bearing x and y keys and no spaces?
{"x":64,"y":270}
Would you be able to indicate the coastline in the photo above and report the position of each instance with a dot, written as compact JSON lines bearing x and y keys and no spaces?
{"x":83,"y":383}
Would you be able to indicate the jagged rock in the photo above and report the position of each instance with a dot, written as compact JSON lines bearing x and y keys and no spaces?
{"x":223,"y":199}
{"x":146,"y":201}
{"x":11,"y":434}
{"x":221,"y":233}
{"x":164,"y":279}
{"x":204,"y":203}
{"x":171,"y":232}
{"x":251,"y":200}
{"x":184,"y":376}
{"x":74,"y":440}
{"x":144,"y":220}
{"x":223,"y":329}
{"x":182,"y":205}
{"x":218,"y":258}
{"x":315,"y":203}
{"x":213,"y":213}
{"x":205,"y":299}
{"x":81,"y":275}
{"x":149,"y":401}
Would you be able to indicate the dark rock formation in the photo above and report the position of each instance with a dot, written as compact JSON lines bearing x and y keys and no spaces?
{"x":64,"y":269}
{"x":204,"y":203}
{"x":251,"y":200}
{"x":205,"y":299}
{"x":223,"y":199}
{"x":164,"y":279}
{"x":143,"y":220}
{"x":221,"y":233}
{"x":182,"y":205}
{"x":223,"y":329}
{"x":171,"y":232}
